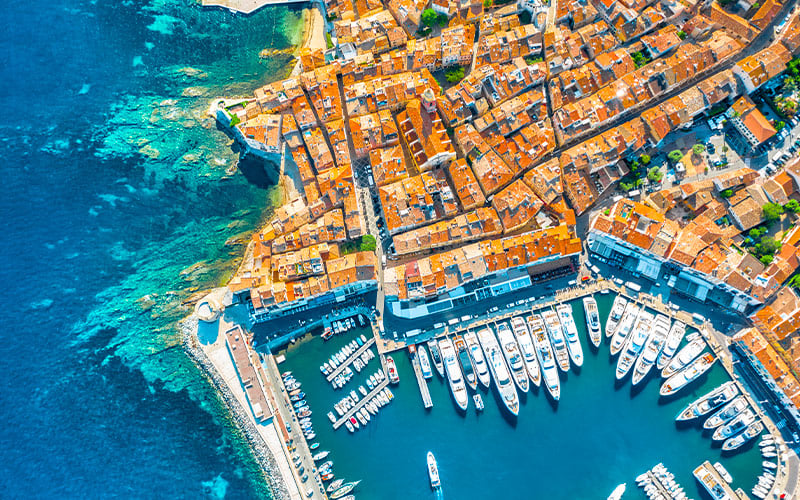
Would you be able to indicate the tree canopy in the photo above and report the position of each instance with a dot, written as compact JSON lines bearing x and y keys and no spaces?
{"x":772,"y":211}
{"x":792,"y":206}
{"x":675,"y":155}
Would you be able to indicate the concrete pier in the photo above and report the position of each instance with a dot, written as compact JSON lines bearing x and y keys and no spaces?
{"x":423,"y":385}
{"x":738,"y":494}
{"x":361,"y":350}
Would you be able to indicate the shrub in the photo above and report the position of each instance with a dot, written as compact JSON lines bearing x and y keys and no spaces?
{"x":726,"y":193}
{"x":792,"y":206}
{"x":655,"y":174}
{"x":675,"y":155}
{"x":645,"y":159}
{"x":328,"y":40}
{"x":487,"y":4}
{"x":766,"y":259}
{"x":698,"y":149}
{"x":682,"y":35}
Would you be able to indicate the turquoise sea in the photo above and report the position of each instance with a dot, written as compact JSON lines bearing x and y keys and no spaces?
{"x":121,"y":200}
{"x":599,"y":435}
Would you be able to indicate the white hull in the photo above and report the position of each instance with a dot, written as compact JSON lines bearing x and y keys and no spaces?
{"x":454,"y":375}
{"x":689,"y":374}
{"x":634,"y":344}
{"x":557,"y":339}
{"x":512,"y":355}
{"x":544,"y":352}
{"x":614,"y":317}
{"x":592,"y":320}
{"x":674,"y":338}
{"x":571,"y":333}
{"x":527,"y":349}
{"x":646,"y":360}
{"x":684,"y":357}
{"x":502,"y":377}
{"x":624,"y":328}
{"x":478,"y":360}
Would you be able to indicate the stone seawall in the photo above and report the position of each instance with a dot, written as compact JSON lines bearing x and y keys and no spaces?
{"x":239,"y":415}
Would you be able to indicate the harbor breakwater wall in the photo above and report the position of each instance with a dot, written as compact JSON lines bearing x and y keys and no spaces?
{"x":263,"y":455}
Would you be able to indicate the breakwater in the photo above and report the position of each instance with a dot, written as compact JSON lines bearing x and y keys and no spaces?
{"x":239,"y":415}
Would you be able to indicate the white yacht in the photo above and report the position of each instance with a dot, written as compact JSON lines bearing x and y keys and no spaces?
{"x":726,"y":413}
{"x":684,"y":377}
{"x":478,"y":361}
{"x":674,"y":338}
{"x":544,"y":352}
{"x":592,"y":320}
{"x":424,"y":361}
{"x":618,"y":492}
{"x":512,"y":355}
{"x":433,"y":471}
{"x":685,"y":356}
{"x":527,"y":348}
{"x":617,"y":310}
{"x":652,"y":349}
{"x":454,"y":376}
{"x":553,"y":328}
{"x":624,"y":328}
{"x":709,"y":402}
{"x":502,"y":378}
{"x":571,"y":333}
{"x":635,"y":343}
{"x":735,"y":426}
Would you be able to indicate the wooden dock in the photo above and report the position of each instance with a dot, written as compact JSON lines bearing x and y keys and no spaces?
{"x":339,"y":369}
{"x":361,"y":402}
{"x":738,"y":494}
{"x":423,"y":385}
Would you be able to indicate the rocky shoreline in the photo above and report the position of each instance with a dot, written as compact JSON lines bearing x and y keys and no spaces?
{"x":258,"y":446}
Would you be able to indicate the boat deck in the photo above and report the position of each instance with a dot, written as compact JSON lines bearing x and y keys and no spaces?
{"x":423,"y":385}
{"x":735,"y":495}
{"x":339,"y":369}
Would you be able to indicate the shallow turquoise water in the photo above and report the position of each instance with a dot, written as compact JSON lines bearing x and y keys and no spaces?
{"x":599,"y":435}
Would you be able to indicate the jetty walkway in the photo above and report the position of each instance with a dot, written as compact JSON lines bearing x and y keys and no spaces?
{"x":361,"y":402}
{"x":733,"y":495}
{"x":423,"y":385}
{"x":347,"y":362}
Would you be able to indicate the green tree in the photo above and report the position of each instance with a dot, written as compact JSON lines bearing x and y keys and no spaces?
{"x":368,"y":243}
{"x":698,"y":149}
{"x":675,"y":155}
{"x":454,"y":74}
{"x":655,"y":174}
{"x":726,"y":193}
{"x":756,"y":232}
{"x":645,"y":159}
{"x":768,"y":246}
{"x":487,"y":4}
{"x":792,"y":206}
{"x":772,"y":211}
{"x":429,"y":17}
{"x":682,"y":35}
{"x":766,"y":259}
{"x":779,"y":125}
{"x":794,"y":281}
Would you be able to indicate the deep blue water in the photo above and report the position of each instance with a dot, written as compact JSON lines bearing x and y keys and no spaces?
{"x":116,"y":184}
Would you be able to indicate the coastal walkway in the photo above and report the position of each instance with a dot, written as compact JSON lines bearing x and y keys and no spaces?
{"x":347,"y":362}
{"x":361,"y":402}
{"x":423,"y":385}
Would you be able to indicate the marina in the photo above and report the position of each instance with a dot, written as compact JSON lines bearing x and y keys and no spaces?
{"x":495,"y":430}
{"x":350,"y":359}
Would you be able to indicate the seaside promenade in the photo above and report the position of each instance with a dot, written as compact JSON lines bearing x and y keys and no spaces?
{"x":246,"y":6}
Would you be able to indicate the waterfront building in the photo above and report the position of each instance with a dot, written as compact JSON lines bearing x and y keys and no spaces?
{"x":696,"y":262}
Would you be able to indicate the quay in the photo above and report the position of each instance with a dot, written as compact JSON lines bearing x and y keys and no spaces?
{"x":361,"y":402}
{"x":347,"y":362}
{"x":733,"y":495}
{"x":423,"y":385}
